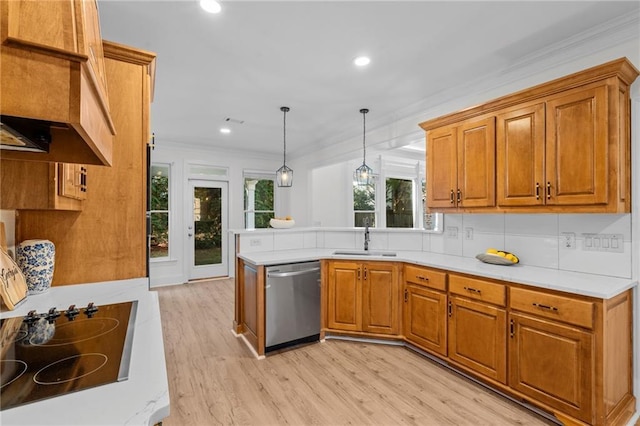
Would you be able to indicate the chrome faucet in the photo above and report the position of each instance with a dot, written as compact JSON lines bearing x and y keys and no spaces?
{"x":366,"y":234}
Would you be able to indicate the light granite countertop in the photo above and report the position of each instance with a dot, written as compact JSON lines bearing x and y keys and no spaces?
{"x":142,"y":399}
{"x":599,"y":286}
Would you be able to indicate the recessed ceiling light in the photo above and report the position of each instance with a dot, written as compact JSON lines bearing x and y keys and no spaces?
{"x":211,"y":6}
{"x":362,"y":61}
{"x":225,"y":130}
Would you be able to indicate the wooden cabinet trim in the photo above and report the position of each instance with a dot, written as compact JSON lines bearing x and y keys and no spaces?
{"x":620,"y":68}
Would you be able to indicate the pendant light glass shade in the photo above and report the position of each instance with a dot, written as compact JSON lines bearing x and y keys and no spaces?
{"x":284,"y":175}
{"x":363,"y":174}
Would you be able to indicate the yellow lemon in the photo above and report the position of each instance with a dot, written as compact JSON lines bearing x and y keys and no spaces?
{"x":510,"y":257}
{"x":501,"y":253}
{"x":492,"y":251}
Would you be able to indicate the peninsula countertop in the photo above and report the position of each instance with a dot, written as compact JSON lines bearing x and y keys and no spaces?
{"x":142,"y":399}
{"x":599,"y":286}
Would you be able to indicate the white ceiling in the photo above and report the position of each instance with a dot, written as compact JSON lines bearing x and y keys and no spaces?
{"x":256,"y":56}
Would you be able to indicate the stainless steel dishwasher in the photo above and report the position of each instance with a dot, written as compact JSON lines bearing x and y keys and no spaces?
{"x":292,"y":304}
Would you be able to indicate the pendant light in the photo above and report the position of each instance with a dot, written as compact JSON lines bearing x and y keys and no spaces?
{"x":284,"y":175}
{"x":363,"y":174}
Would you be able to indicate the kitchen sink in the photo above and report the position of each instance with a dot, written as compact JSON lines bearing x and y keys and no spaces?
{"x":363,"y":253}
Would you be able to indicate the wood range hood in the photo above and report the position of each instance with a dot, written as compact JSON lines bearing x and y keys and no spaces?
{"x":53,"y":84}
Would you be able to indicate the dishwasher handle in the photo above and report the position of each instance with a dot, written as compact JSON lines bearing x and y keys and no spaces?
{"x":291,"y":274}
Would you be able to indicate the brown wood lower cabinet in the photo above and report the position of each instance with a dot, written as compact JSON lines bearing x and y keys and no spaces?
{"x":569,"y":355}
{"x":363,"y":297}
{"x":477,"y":337}
{"x":552,"y":363}
{"x":425,"y":323}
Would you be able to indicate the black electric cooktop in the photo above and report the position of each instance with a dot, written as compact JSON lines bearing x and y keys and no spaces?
{"x":53,"y":353}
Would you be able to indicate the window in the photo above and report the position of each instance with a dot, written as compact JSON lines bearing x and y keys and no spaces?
{"x":258,"y":201}
{"x":364,"y":204}
{"x":159,"y":211}
{"x":399,"y":206}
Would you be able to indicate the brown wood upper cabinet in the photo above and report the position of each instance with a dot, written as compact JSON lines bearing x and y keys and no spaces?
{"x":28,"y":185}
{"x":562,"y":146}
{"x":461,"y":165}
{"x":363,"y":297}
{"x":53,"y":74}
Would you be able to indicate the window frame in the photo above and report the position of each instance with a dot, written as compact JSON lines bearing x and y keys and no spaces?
{"x":374,"y":211}
{"x":414,"y":204}
{"x":252,"y":175}
{"x":168,"y":167}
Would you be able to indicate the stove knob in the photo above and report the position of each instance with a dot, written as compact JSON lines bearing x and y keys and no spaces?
{"x":90,"y":310}
{"x":52,"y":315}
{"x":31,"y":318}
{"x":72,"y":312}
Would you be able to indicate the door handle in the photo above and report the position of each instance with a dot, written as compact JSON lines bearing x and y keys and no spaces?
{"x":548,"y":190}
{"x":452,"y":197}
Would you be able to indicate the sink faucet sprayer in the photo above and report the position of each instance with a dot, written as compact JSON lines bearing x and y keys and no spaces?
{"x":366,"y":234}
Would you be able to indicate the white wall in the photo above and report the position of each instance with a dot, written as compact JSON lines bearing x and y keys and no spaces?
{"x":175,"y":270}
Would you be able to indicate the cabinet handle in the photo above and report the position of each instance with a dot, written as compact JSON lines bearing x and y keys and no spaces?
{"x":452,"y":200}
{"x":548,"y":190}
{"x":358,"y":273}
{"x":511,"y":329}
{"x":406,"y":295}
{"x":474,"y":290}
{"x":450,"y":309}
{"x":421,"y":278}
{"x":459,"y":196}
{"x":365,"y":274}
{"x":537,"y":190}
{"x":547,"y":307}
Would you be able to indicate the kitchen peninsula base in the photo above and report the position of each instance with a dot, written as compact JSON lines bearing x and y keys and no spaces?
{"x":563,"y":347}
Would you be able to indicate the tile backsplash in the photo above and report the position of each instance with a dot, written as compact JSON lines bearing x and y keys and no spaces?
{"x":555,"y":241}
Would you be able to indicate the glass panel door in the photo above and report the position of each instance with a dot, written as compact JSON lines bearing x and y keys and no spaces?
{"x":208,"y":230}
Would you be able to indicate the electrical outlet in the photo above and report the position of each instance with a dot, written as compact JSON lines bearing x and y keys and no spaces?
{"x":568,"y":240}
{"x":255,"y":242}
{"x":452,"y":232}
{"x":468,"y":233}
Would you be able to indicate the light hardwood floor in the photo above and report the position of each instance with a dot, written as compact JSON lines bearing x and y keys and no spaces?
{"x":214,"y":378}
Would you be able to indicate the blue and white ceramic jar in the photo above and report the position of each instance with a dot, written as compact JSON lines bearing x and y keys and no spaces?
{"x":36,"y":259}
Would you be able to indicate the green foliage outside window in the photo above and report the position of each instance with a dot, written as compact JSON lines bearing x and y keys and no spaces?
{"x":399,"y":206}
{"x":263,"y":208}
{"x":364,"y":204}
{"x":159,"y":211}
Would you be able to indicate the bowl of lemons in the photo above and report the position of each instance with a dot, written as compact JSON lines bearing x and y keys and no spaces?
{"x":282,"y":222}
{"x":498,"y":257}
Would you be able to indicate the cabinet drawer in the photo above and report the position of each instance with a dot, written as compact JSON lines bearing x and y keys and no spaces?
{"x":560,"y":308}
{"x":478,"y":289}
{"x":426,"y":277}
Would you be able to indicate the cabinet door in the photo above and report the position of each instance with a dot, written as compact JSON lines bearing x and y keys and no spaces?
{"x":442,"y":167}
{"x":478,"y":337}
{"x":577,"y":147}
{"x":552,"y":363}
{"x":47,"y":25}
{"x":344,"y":296}
{"x":477,"y":163}
{"x":380,"y":298}
{"x":425,"y":318}
{"x":520,"y":156}
{"x":73,"y":178}
{"x":93,"y":43}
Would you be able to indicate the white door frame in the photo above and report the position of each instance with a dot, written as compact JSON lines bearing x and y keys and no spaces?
{"x":206,"y":271}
